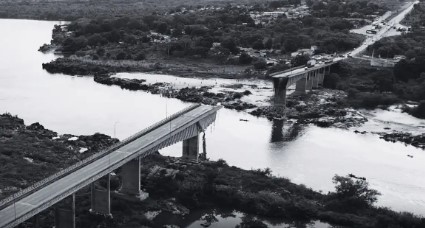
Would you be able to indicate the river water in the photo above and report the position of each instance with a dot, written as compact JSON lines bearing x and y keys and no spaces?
{"x":78,"y":105}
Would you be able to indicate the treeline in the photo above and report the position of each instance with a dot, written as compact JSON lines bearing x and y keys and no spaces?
{"x":345,"y":9}
{"x":194,"y":34}
{"x":74,"y":9}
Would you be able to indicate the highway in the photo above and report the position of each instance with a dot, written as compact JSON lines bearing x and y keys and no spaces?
{"x":381,"y":33}
{"x":71,"y":183}
{"x":354,"y":53}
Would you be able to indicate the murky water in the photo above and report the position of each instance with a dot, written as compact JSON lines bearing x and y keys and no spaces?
{"x":311,"y":156}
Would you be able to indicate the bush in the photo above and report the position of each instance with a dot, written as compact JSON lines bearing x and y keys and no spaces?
{"x":419,"y":111}
{"x":260,"y":64}
{"x":121,"y":56}
{"x":244,"y":58}
{"x":371,"y":100}
{"x":352,"y":194}
{"x":331,"y":81}
{"x":140,"y":56}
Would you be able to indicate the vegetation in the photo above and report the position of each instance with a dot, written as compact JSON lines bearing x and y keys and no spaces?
{"x":225,"y":35}
{"x":342,"y":9}
{"x":29,"y":153}
{"x":176,"y":185}
{"x":370,"y":87}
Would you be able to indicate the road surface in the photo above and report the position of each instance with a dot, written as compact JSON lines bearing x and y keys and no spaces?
{"x":381,"y":33}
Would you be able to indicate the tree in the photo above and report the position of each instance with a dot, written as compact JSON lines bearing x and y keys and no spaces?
{"x":258,"y":45}
{"x":331,"y":81}
{"x":300,"y":60}
{"x":353,"y":193}
{"x":244,"y":58}
{"x":419,"y":111}
{"x":260,"y":64}
{"x":230,"y":44}
{"x":269,"y":43}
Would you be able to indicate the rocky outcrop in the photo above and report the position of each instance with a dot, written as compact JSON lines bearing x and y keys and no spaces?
{"x":407,"y":138}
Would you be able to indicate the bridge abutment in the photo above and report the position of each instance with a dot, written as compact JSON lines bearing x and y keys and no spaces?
{"x":191,"y":148}
{"x":101,"y":198}
{"x":65,"y":213}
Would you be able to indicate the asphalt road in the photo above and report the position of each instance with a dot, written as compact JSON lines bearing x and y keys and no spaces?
{"x":369,"y":41}
{"x":385,"y":29}
{"x":67,"y":183}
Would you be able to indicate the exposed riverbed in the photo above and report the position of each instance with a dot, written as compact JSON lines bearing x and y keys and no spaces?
{"x":309,"y":155}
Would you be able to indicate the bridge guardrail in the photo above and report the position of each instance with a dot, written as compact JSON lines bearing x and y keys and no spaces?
{"x":5,"y":202}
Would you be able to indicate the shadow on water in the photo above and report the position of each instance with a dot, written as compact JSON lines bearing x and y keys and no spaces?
{"x":215,"y":218}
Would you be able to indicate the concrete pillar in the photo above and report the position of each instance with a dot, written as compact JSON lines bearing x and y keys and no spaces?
{"x":300,"y":86}
{"x":279,"y":85}
{"x":65,"y":213}
{"x":130,"y":178}
{"x":36,"y":221}
{"x":101,"y":198}
{"x":316,"y":80}
{"x":191,"y":148}
{"x":309,"y":83}
{"x":321,"y":77}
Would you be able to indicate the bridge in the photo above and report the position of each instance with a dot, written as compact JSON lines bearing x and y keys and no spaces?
{"x":59,"y":189}
{"x":304,"y":78}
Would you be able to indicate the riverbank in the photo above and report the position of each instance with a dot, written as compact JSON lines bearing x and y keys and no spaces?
{"x":179,"y":187}
{"x":30,"y":153}
{"x":323,"y":107}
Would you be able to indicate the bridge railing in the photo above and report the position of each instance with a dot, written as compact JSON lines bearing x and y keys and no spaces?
{"x":7,"y":201}
{"x":287,"y":70}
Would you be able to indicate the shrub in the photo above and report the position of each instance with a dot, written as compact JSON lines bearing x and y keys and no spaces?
{"x":419,"y":111}
{"x":352,"y":194}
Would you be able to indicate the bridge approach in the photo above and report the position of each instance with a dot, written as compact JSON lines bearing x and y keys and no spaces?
{"x":59,"y":189}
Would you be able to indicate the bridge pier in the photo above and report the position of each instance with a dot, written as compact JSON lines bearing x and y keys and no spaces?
{"x":130,"y":178}
{"x":101,"y":198}
{"x":321,"y":78}
{"x":315,"y":79}
{"x":65,"y":213}
{"x":300,"y":86}
{"x":309,"y":84}
{"x":191,"y":148}
{"x":279,"y":85}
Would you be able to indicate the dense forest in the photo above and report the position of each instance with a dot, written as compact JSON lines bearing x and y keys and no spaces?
{"x":220,"y":34}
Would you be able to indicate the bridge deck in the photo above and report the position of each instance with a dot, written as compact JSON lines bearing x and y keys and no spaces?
{"x":70,"y":183}
{"x":299,"y":71}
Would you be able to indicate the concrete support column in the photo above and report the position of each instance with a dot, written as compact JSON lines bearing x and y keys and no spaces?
{"x":328,"y":70}
{"x":309,"y":83}
{"x":300,"y":86}
{"x":130,"y":178}
{"x":321,"y":77}
{"x":65,"y":213}
{"x":36,"y":221}
{"x":101,"y":198}
{"x":316,"y":80}
{"x":279,"y":85}
{"x":191,"y":148}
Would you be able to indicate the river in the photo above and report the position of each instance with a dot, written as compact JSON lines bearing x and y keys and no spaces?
{"x":78,"y":105}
